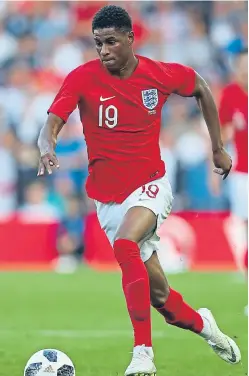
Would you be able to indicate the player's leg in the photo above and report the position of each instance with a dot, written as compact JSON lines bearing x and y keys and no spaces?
{"x":137,"y":225}
{"x":170,"y":304}
{"x":132,"y":225}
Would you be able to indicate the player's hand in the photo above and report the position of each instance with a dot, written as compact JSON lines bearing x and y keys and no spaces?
{"x":222,"y":162}
{"x":46,"y":163}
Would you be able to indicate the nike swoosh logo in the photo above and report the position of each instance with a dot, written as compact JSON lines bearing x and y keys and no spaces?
{"x":105,"y":99}
{"x":233,"y":358}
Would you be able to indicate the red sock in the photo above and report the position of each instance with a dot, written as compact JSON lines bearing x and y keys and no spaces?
{"x":136,"y":288}
{"x":178,"y":313}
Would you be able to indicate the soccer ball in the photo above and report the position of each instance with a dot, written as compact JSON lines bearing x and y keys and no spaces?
{"x":49,"y":362}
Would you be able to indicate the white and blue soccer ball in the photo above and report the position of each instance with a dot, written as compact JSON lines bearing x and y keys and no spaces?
{"x":49,"y":362}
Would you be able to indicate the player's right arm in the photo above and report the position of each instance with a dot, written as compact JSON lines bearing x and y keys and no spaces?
{"x":47,"y":142}
{"x":63,"y":105}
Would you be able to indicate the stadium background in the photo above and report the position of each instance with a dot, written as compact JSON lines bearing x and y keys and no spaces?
{"x":40,"y":42}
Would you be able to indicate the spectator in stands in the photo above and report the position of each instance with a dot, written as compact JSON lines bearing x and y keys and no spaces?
{"x":8,"y":176}
{"x":30,"y":75}
{"x":36,"y":208}
{"x":70,"y":243}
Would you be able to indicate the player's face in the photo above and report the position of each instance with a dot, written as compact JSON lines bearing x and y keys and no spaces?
{"x":113,"y":47}
{"x":242,"y":70}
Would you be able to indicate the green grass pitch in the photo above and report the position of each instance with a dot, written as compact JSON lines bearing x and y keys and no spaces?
{"x":84,"y":315}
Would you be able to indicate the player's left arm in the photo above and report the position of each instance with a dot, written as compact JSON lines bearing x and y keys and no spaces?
{"x":184,"y":81}
{"x":206,"y":103}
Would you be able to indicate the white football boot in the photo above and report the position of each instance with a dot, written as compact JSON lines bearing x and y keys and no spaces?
{"x":142,"y":363}
{"x":222,"y":345}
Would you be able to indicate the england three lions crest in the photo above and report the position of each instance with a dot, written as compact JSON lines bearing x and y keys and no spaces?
{"x":150,"y":98}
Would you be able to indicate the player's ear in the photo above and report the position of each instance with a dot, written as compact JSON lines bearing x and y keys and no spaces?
{"x":130,"y":37}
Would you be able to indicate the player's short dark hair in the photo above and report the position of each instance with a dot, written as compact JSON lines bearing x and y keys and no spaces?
{"x":112,"y":16}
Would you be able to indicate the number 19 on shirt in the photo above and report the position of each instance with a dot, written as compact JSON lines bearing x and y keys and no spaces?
{"x":109,"y":116}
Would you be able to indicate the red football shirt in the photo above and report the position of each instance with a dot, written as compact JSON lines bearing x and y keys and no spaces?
{"x":121,"y":121}
{"x":234,"y":110}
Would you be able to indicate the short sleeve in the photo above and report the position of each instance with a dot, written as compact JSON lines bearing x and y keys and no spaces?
{"x":178,"y":78}
{"x":225,"y":109}
{"x":67,"y":98}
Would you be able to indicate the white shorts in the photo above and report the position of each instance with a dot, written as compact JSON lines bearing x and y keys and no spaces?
{"x":156,"y":196}
{"x":238,"y":194}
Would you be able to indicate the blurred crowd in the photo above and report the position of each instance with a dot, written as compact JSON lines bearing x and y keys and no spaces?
{"x":40,"y":42}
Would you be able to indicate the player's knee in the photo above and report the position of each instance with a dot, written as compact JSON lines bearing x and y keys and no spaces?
{"x":124,"y":250}
{"x":159,"y":296}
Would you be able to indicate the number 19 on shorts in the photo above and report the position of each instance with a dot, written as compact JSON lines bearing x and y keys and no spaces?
{"x":108,"y":116}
